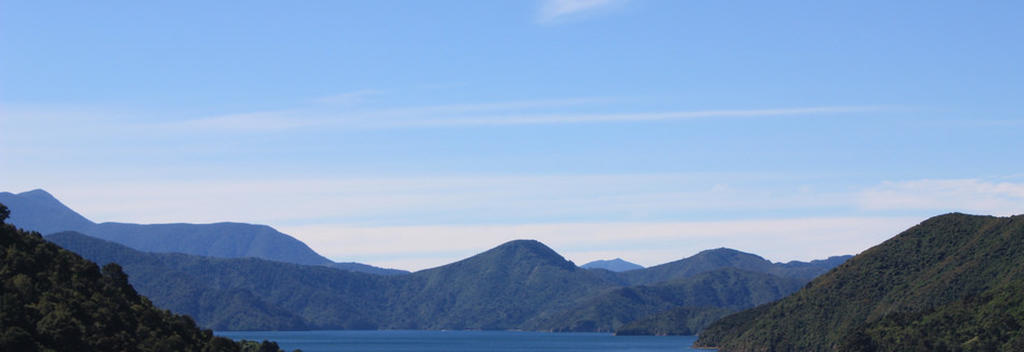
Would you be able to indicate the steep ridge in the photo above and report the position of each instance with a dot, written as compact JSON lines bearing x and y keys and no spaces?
{"x":39,"y":211}
{"x":55,"y":300}
{"x":953,"y":282}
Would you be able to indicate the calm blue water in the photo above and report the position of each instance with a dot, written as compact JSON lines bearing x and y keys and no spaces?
{"x":462,"y":341}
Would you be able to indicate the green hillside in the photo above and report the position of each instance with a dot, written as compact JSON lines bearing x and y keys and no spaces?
{"x":53,"y":300}
{"x":952,"y":283}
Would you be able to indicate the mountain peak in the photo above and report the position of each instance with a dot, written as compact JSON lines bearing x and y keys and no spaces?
{"x":526,"y":244}
{"x":528,"y":248}
{"x":616,"y":265}
{"x":722,"y":251}
{"x":38,"y":210}
{"x":727,"y":254}
{"x":39,"y":194}
{"x":517,"y":253}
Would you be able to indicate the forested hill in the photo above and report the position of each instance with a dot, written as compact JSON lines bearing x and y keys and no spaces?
{"x":952,"y":283}
{"x":40,"y":211}
{"x":55,"y":300}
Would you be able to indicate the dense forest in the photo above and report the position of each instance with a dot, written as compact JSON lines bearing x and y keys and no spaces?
{"x":54,"y":300}
{"x":952,"y":283}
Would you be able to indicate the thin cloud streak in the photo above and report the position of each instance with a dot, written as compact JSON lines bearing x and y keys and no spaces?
{"x":447,"y":116}
{"x":552,"y":10}
{"x":349,"y":98}
{"x":440,"y":200}
{"x":643,"y":117}
{"x":343,"y":116}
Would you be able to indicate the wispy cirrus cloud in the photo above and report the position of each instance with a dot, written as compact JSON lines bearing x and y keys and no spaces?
{"x":553,"y":10}
{"x":347,"y":111}
{"x":492,"y":114}
{"x":540,"y":119}
{"x":348,"y":98}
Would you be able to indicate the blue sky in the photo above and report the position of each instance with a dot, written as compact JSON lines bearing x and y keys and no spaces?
{"x":410,"y":134}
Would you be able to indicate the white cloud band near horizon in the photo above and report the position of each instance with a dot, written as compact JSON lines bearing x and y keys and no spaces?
{"x":421,"y":247}
{"x":414,"y":223}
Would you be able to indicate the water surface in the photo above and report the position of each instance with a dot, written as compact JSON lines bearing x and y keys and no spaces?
{"x":462,"y":341}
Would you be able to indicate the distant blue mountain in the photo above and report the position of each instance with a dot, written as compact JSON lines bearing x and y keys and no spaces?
{"x":617,"y":265}
{"x":39,"y":211}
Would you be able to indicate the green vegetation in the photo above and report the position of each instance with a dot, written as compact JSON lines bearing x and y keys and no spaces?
{"x":53,"y":300}
{"x":953,"y":283}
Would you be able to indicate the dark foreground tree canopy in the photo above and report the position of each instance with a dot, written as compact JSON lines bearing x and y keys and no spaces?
{"x":953,"y":283}
{"x":53,"y":300}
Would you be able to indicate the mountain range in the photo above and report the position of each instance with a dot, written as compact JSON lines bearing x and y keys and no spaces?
{"x":955,"y":282}
{"x":40,"y":211}
{"x":521,"y":284}
{"x":272,"y":281}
